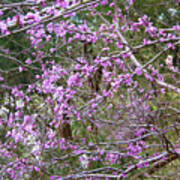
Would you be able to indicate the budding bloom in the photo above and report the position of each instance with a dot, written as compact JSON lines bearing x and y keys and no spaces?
{"x":28,"y":61}
{"x":89,"y":128}
{"x":169,"y":63}
{"x":169,"y":60}
{"x":84,"y":161}
{"x":1,"y":78}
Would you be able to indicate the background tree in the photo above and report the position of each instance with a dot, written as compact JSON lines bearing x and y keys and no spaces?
{"x":89,"y":89}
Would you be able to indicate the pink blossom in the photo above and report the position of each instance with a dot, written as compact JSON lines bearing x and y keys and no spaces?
{"x":28,"y":61}
{"x":1,"y":78}
{"x":1,"y":13}
{"x":138,"y":71}
{"x":177,"y":27}
{"x":74,"y":80}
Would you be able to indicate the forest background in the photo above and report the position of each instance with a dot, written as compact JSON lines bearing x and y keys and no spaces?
{"x":89,"y":89}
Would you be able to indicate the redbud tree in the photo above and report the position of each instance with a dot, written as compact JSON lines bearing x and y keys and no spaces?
{"x":89,"y":89}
